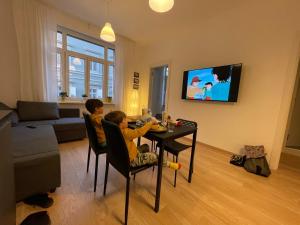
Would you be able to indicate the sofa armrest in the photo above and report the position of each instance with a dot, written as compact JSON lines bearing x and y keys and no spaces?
{"x":71,"y":112}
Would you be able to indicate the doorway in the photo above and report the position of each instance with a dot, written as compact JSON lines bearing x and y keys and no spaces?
{"x":158,"y":89}
{"x":293,"y":135}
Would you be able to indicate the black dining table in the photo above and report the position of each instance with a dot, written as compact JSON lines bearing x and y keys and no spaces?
{"x":162,"y":138}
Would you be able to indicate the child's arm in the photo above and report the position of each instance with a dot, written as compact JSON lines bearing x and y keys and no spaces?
{"x":138,"y":132}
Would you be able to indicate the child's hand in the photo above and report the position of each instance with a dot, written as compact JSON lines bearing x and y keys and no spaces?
{"x":154,"y":120}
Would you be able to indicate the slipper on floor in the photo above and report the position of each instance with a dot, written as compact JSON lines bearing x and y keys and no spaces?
{"x":39,"y":218}
{"x":41,"y":200}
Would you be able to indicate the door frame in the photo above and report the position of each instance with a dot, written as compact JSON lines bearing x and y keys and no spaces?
{"x":164,"y":63}
{"x":292,"y":106}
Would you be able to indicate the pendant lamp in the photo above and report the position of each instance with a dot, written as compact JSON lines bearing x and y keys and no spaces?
{"x":107,"y":33}
{"x":161,"y":6}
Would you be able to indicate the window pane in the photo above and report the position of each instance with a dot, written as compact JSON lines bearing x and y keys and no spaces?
{"x":111,"y":55}
{"x":110,"y":87}
{"x":58,"y":73}
{"x":59,"y":40}
{"x":96,"y":80}
{"x":84,"y":47}
{"x":76,"y":77}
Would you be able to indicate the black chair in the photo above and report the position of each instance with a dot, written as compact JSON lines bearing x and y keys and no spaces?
{"x":118,"y":157}
{"x":93,"y":144}
{"x":174,"y":147}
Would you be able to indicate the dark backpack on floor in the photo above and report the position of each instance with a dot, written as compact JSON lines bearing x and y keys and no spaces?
{"x":258,"y":166}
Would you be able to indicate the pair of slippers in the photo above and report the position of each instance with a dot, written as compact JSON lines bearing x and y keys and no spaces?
{"x":42,"y":217}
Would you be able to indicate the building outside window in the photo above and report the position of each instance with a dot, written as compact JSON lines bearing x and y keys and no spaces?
{"x":84,"y":65}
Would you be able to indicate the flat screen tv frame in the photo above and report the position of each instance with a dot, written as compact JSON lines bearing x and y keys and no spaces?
{"x":234,"y":84}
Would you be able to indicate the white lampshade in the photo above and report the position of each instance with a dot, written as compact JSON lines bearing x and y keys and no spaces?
{"x":107,"y":33}
{"x":161,"y":5}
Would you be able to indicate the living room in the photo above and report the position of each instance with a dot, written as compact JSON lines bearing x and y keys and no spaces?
{"x":263,"y":36}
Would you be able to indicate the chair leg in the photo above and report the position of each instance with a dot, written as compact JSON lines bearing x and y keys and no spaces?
{"x":175,"y":172}
{"x":133,"y":176}
{"x":96,"y":172}
{"x":127,"y":200}
{"x":106,"y":175}
{"x":88,"y":159}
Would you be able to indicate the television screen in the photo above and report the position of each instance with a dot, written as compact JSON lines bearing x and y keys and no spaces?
{"x":212,"y":84}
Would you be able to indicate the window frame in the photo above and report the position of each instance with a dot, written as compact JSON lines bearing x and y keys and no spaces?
{"x":65,"y":54}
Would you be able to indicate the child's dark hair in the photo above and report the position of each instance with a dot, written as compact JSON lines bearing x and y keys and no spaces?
{"x":223,"y":73}
{"x":115,"y":117}
{"x":209,"y":83}
{"x":92,"y":104}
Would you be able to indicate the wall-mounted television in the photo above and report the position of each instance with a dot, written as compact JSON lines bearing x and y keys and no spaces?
{"x":219,"y":83}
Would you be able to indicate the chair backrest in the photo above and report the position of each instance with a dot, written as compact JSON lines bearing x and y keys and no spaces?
{"x":187,"y":123}
{"x":117,"y":154}
{"x":91,"y":131}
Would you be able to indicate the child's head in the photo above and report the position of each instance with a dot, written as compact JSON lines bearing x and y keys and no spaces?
{"x":94,"y":106}
{"x":118,"y":118}
{"x":208,"y":85}
{"x":195,"y":81}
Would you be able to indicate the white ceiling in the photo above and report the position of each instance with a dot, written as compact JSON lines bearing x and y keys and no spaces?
{"x":135,"y":20}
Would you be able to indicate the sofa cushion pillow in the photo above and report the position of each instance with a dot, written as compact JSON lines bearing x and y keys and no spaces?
{"x":37,"y":110}
{"x":13,"y":115}
{"x":4,"y":107}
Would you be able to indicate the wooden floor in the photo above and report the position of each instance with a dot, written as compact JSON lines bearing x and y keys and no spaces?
{"x":220,"y":193}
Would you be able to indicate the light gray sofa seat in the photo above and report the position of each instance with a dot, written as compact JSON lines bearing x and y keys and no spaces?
{"x":36,"y":160}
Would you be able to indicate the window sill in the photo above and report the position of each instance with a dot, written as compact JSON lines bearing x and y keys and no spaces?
{"x":81,"y":102}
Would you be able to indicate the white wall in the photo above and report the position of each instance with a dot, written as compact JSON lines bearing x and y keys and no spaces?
{"x":9,"y":59}
{"x":262,"y":36}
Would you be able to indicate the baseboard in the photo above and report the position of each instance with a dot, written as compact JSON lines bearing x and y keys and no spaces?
{"x":209,"y":146}
{"x":292,"y":151}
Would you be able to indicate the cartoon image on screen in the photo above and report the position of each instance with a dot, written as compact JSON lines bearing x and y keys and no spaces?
{"x":209,"y":84}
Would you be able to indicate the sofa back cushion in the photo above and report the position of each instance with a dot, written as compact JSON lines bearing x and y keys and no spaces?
{"x":37,"y":110}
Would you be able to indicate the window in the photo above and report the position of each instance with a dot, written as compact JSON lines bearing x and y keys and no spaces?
{"x":84,"y":65}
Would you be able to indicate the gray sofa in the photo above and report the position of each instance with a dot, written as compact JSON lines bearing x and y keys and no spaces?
{"x":36,"y":160}
{"x":67,"y":123}
{"x":37,"y":127}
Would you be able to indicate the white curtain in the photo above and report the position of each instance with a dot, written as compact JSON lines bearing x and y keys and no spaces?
{"x":36,"y":36}
{"x":119,"y":90}
{"x":126,"y":98}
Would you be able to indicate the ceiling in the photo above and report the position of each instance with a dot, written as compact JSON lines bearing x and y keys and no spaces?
{"x":134,"y":18}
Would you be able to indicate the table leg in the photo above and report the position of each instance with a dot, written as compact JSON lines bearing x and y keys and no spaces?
{"x":139,"y":141}
{"x":159,"y":176}
{"x":192,"y":156}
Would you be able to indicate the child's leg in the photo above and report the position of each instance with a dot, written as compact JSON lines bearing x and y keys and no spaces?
{"x":144,"y":158}
{"x":143,"y":148}
{"x":150,"y":158}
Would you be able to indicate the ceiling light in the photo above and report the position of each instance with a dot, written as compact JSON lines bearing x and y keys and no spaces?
{"x":107,"y":33}
{"x":161,"y":6}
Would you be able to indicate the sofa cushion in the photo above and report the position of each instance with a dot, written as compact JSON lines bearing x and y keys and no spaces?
{"x":37,"y":110}
{"x":36,"y":160}
{"x":13,"y":115}
{"x":69,"y":124}
{"x":31,"y":142}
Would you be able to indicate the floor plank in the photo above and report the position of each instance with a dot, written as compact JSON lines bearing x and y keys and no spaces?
{"x":220,"y":193}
